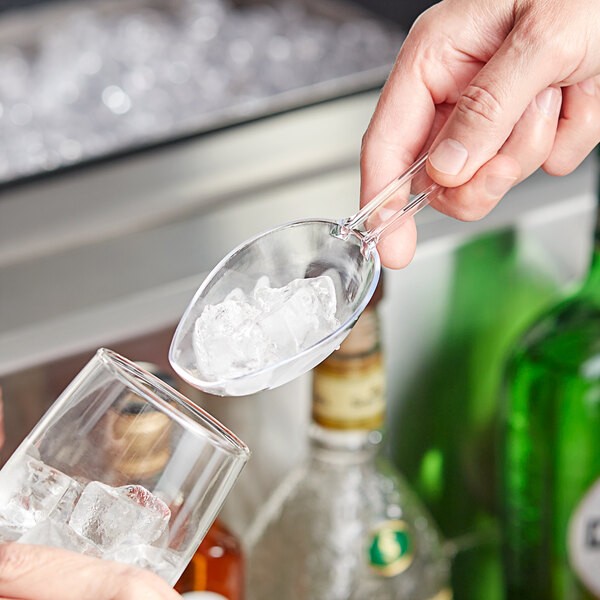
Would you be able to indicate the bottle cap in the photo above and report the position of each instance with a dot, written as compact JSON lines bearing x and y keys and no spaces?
{"x":364,"y":337}
{"x":140,"y":434}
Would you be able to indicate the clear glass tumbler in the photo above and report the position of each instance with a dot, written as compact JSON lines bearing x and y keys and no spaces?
{"x":121,"y":467}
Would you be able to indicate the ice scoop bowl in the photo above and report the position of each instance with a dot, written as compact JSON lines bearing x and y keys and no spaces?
{"x":344,"y":250}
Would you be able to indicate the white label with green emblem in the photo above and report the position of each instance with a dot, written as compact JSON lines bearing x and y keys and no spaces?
{"x":390,"y":548}
{"x":584,"y":540}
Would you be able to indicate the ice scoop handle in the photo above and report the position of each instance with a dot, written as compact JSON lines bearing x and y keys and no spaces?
{"x":402,"y":198}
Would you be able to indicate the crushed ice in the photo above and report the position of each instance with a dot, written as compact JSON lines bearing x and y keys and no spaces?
{"x":246,"y":333}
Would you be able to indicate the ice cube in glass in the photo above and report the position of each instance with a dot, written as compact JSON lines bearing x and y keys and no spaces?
{"x":124,"y":516}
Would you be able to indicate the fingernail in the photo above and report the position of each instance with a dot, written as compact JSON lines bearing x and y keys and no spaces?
{"x":588,"y":86}
{"x":449,"y":157}
{"x":548,"y":101}
{"x":497,"y":185}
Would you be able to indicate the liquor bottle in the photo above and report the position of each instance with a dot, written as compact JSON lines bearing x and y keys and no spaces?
{"x":217,"y":566}
{"x":345,"y":514}
{"x":140,"y":437}
{"x":444,"y":427}
{"x":550,"y":451}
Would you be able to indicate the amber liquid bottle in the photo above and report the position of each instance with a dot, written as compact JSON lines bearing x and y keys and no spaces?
{"x":217,"y":566}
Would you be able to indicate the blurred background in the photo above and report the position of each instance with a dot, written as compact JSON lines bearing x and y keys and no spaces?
{"x":141,"y":140}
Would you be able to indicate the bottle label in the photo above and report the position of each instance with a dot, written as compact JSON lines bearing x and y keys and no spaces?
{"x":353,"y":399}
{"x":390,"y":548}
{"x":584,"y":540}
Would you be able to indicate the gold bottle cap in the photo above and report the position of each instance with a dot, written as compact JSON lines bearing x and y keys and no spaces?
{"x":363,"y":339}
{"x":139,"y":434}
{"x":365,"y":335}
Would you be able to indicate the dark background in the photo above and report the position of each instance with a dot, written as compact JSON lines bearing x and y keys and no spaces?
{"x":401,"y":11}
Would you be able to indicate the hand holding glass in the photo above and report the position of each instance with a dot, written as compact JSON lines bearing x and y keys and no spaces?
{"x":121,"y":467}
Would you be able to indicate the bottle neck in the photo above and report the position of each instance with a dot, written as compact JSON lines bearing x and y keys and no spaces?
{"x":349,"y":392}
{"x":344,"y":447}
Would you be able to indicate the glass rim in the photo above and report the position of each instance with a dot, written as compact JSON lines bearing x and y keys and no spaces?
{"x":129,"y":373}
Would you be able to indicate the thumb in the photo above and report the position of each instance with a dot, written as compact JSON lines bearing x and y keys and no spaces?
{"x":488,"y":109}
{"x":41,"y":573}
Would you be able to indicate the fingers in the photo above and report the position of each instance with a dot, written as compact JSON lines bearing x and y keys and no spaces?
{"x":397,"y":249}
{"x":528,"y":147}
{"x":40,"y":573}
{"x":405,"y":112}
{"x":489,"y":108}
{"x":533,"y":137}
{"x":495,"y":68}
{"x":398,"y":129}
{"x":401,"y":126}
{"x":578,"y":128}
{"x":389,"y":146}
{"x":476,"y":198}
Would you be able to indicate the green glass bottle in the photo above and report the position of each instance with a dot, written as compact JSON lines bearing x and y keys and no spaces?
{"x":443,"y":430}
{"x":550,"y":452}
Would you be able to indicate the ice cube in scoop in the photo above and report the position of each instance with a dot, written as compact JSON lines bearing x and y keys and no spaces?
{"x":227,"y":340}
{"x":299,"y":314}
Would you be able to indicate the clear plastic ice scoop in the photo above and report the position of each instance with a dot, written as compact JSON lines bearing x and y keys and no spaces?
{"x":344,"y":250}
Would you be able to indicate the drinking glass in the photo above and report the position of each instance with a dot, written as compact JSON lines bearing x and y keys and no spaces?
{"x":121,"y":467}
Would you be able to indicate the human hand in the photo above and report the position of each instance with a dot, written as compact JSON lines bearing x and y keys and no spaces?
{"x":40,"y":573}
{"x":495,"y":89}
